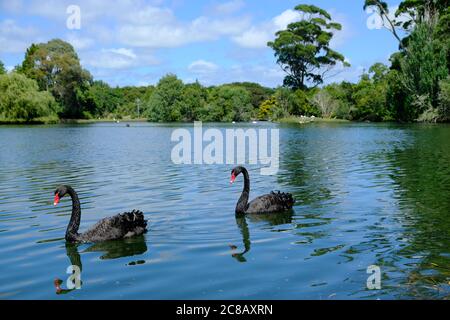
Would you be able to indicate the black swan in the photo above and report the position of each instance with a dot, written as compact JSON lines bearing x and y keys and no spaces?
{"x":120,"y":226}
{"x":268,"y":203}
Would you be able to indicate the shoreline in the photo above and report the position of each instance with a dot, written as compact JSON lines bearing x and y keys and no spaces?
{"x":286,"y":120}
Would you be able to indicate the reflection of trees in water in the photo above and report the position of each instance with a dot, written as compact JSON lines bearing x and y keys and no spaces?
{"x":112,"y":250}
{"x":305,"y":166}
{"x":273,"y":219}
{"x":422,"y":187}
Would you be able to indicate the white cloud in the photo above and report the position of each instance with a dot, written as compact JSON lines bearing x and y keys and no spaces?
{"x":202,"y":67}
{"x":116,"y":58}
{"x":79,"y":43}
{"x":172,"y":33}
{"x":229,"y":7}
{"x":124,"y":52}
{"x":254,"y":38}
{"x":266,"y":75}
{"x":14,"y":38}
{"x":257,"y":36}
{"x":286,"y":17}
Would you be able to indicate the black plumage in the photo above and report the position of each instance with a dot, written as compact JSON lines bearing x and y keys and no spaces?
{"x":123,"y":225}
{"x":275,"y":201}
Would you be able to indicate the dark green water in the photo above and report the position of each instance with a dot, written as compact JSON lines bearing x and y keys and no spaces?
{"x":366,"y":194}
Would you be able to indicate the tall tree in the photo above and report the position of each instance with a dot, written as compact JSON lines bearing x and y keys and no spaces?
{"x":56,"y":68}
{"x":165,"y":102}
{"x":423,"y":67}
{"x":303,"y":49}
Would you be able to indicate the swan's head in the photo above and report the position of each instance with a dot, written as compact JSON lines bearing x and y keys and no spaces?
{"x":59,"y":193}
{"x":235,"y":172}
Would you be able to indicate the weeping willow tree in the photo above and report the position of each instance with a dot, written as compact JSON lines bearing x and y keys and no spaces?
{"x":21,"y":100}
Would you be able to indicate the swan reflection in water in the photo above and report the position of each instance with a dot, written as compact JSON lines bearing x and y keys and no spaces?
{"x":270,"y":218}
{"x":111,"y":250}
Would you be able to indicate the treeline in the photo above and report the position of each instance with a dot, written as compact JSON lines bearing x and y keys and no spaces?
{"x":50,"y":84}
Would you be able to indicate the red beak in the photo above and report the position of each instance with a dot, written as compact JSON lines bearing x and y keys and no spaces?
{"x":55,"y":202}
{"x":233,"y":177}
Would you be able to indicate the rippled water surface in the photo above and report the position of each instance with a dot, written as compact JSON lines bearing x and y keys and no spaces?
{"x":366,"y":195}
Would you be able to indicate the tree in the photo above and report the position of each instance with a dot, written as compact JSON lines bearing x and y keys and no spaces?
{"x":99,"y":99}
{"x":2,"y":68}
{"x":369,"y":96}
{"x":423,"y":67}
{"x":257,"y":92}
{"x":266,"y":108}
{"x":444,"y":100}
{"x":325,"y":102}
{"x":443,"y":30}
{"x":227,"y":103}
{"x":165,"y":101}
{"x":56,"y":68}
{"x":285,"y":101}
{"x":303,"y":49}
{"x":20,"y":99}
{"x":193,"y":101}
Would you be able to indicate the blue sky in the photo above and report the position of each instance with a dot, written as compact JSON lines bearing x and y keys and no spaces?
{"x":135,"y":42}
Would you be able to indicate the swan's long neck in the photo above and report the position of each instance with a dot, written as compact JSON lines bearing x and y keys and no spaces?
{"x":74,"y":223}
{"x":242,"y":203}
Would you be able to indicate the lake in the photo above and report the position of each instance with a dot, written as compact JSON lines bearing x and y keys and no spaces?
{"x":367,"y":195}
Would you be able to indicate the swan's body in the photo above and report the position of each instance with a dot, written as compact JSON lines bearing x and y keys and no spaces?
{"x":268,"y":203}
{"x":120,"y":226}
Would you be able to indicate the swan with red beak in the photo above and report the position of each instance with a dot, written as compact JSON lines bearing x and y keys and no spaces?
{"x":268,"y":203}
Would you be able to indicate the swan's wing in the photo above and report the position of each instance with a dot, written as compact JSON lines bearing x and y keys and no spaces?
{"x":272,"y":202}
{"x":116,"y":227}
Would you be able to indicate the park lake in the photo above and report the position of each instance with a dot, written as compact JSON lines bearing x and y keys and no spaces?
{"x":367,"y":195}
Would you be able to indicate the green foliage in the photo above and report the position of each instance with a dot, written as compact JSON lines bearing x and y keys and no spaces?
{"x":165,"y":103}
{"x":442,"y":32}
{"x":2,"y":68}
{"x":194,"y":99}
{"x":257,"y":92}
{"x":20,"y":99}
{"x":397,"y":100}
{"x":302,"y":104}
{"x":266,"y":108}
{"x":99,"y":99}
{"x":444,"y":100}
{"x":285,"y":101}
{"x":370,"y":99}
{"x":56,"y":68}
{"x":227,"y":103}
{"x":303,"y":50}
{"x":423,"y":66}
